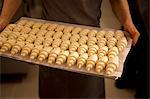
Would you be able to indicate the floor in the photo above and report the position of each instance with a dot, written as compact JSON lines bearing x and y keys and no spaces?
{"x":28,"y":87}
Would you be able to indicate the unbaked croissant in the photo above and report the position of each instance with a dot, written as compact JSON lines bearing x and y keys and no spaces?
{"x":91,"y":41}
{"x":65,"y":45}
{"x":2,"y":41}
{"x":30,"y":39}
{"x":100,"y":34}
{"x":49,"y":34}
{"x":62,"y":57}
{"x":47,"y":42}
{"x":29,"y":24}
{"x":53,"y":55}
{"x":122,"y":43}
{"x":92,"y":33}
{"x":25,"y":30}
{"x":91,"y":61}
{"x":83,"y":40}
{"x":27,"y":49}
{"x":7,"y":45}
{"x":45,"y":26}
{"x":93,"y":50}
{"x":34,"y":31}
{"x":82,"y":49}
{"x":119,"y":34}
{"x":76,"y":30}
{"x":101,"y":63}
{"x":74,"y":38}
{"x":72,"y":58}
{"x":5,"y":34}
{"x":18,"y":28}
{"x":41,"y":33}
{"x":10,"y":27}
{"x":112,"y":65}
{"x":52,"y":27}
{"x":84,"y":32}
{"x":57,"y":35}
{"x":81,"y":61}
{"x":37,"y":25}
{"x":68,"y":29}
{"x":17,"y":47}
{"x":102,"y":51}
{"x":35,"y":51}
{"x":66,"y":36}
{"x":22,"y":22}
{"x":56,"y":43}
{"x":73,"y":46}
{"x":101,"y":42}
{"x":109,"y":34}
{"x":60,"y":28}
{"x":44,"y":53}
{"x":113,"y":52}
{"x":39,"y":41}
{"x":14,"y":35}
{"x":111,"y":42}
{"x":22,"y":37}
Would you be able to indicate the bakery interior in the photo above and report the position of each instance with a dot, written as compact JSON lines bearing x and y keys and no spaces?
{"x":20,"y":79}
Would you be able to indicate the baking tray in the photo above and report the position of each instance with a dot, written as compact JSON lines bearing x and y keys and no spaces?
{"x":114,"y":75}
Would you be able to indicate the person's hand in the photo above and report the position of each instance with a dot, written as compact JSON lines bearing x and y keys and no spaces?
{"x":3,"y":23}
{"x":130,"y":27}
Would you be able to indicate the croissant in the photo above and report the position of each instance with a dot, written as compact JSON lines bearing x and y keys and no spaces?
{"x":14,"y":35}
{"x":102,"y":51}
{"x":52,"y":27}
{"x":62,"y":57}
{"x":30,"y":39}
{"x":72,"y":58}
{"x":41,"y":33}
{"x":44,"y":53}
{"x":35,"y":51}
{"x":7,"y":45}
{"x":100,"y":34}
{"x":17,"y":47}
{"x":10,"y":27}
{"x":34,"y":31}
{"x":111,"y":42}
{"x":82,"y":49}
{"x":84,"y":32}
{"x":60,"y":28}
{"x":91,"y":61}
{"x":5,"y":34}
{"x":29,"y":24}
{"x":109,"y":34}
{"x":27,"y":49}
{"x":65,"y":45}
{"x":92,"y":33}
{"x":49,"y":34}
{"x":101,"y":42}
{"x":81,"y":61}
{"x":57,"y":35}
{"x":112,"y":65}
{"x":119,"y":34}
{"x":66,"y":36}
{"x":47,"y":42}
{"x":56,"y":43}
{"x":22,"y":22}
{"x":83,"y":40}
{"x":53,"y":55}
{"x":68,"y":29}
{"x":22,"y":37}
{"x":45,"y":26}
{"x":122,"y":43}
{"x":2,"y":41}
{"x":91,"y":41}
{"x":73,"y":46}
{"x":101,"y":63}
{"x":76,"y":30}
{"x":113,"y":52}
{"x":93,"y":50}
{"x":39,"y":41}
{"x":37,"y":25}
{"x":74,"y":38}
{"x":18,"y":28}
{"x":25,"y":30}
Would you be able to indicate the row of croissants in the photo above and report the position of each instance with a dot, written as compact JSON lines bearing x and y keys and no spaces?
{"x":60,"y":44}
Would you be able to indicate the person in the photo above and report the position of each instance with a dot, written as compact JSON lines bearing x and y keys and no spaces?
{"x":57,"y":83}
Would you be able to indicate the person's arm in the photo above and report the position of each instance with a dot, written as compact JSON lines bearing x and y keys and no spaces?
{"x":121,"y":10}
{"x":9,"y":9}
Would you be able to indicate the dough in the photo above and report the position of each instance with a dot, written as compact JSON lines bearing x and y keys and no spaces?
{"x":91,"y":41}
{"x":35,"y":51}
{"x":83,"y":40}
{"x":101,"y":42}
{"x":76,"y":30}
{"x":82,"y":49}
{"x":81,"y":61}
{"x":17,"y":47}
{"x":56,"y":43}
{"x":65,"y":45}
{"x":27,"y":49}
{"x":91,"y":61}
{"x":73,"y":46}
{"x":101,"y":64}
{"x":92,"y":50}
{"x":84,"y":32}
{"x":92,"y":33}
{"x":72,"y":58}
{"x":102,"y":51}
